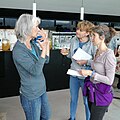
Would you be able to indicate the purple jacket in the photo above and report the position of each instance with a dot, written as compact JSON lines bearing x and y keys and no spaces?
{"x":99,"y":93}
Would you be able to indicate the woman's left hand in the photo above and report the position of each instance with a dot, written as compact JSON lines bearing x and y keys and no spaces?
{"x":43,"y":33}
{"x":85,"y":72}
{"x":81,"y":62}
{"x":43,"y":41}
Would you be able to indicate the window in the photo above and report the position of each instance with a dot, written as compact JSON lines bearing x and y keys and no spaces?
{"x":47,"y":24}
{"x":63,"y":23}
{"x":10,"y":22}
{"x":117,"y":25}
{"x":1,"y":21}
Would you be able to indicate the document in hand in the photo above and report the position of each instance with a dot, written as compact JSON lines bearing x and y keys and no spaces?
{"x":73,"y":72}
{"x":81,"y":55}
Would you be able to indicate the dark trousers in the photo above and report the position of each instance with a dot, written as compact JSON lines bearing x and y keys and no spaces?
{"x":118,"y":84}
{"x":97,"y":112}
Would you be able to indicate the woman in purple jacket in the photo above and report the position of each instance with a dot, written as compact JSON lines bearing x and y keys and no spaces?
{"x":100,"y":79}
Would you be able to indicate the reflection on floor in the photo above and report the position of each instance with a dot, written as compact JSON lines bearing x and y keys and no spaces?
{"x":59,"y":101}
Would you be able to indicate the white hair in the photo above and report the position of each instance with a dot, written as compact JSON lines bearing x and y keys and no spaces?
{"x":24,"y":26}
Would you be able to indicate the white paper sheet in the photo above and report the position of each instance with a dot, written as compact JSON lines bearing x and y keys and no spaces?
{"x":73,"y":72}
{"x":81,"y":55}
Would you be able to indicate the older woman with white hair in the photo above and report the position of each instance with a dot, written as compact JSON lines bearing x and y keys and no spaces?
{"x":29,"y":61}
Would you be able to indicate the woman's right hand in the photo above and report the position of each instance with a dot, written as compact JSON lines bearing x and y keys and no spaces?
{"x":64,"y":51}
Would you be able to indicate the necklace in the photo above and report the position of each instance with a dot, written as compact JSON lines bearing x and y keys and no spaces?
{"x":99,"y":52}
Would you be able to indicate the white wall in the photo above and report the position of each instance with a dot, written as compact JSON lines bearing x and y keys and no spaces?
{"x":103,"y":7}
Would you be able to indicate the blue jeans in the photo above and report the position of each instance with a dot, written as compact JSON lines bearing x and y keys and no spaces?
{"x":36,"y":109}
{"x":75,"y":84}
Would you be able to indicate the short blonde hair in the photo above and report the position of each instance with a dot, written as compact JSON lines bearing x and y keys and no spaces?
{"x":24,"y":26}
{"x":85,"y":25}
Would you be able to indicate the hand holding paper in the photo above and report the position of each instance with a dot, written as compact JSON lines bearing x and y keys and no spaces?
{"x":73,"y":72}
{"x":77,"y":73}
{"x":81,"y":55}
{"x":85,"y":73}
